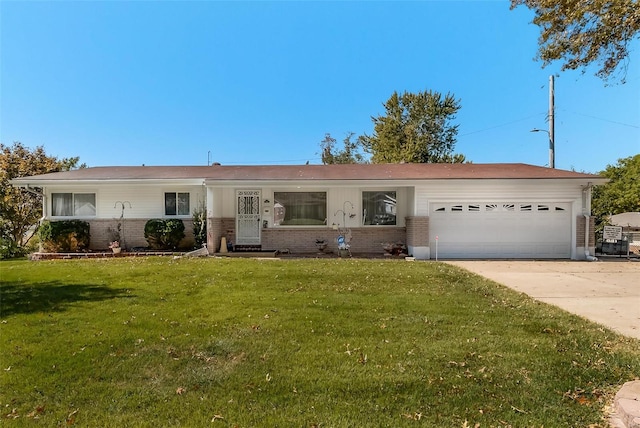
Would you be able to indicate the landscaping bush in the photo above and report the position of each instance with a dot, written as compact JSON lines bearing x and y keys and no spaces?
{"x":200,"y":226}
{"x":164,"y":234}
{"x":66,"y":236}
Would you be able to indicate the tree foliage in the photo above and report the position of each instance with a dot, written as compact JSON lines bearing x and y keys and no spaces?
{"x":622,"y":193}
{"x":416,"y":128}
{"x":584,"y":32}
{"x":350,"y":152}
{"x":20,"y":209}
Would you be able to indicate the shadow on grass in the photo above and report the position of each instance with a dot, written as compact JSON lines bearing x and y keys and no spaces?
{"x":16,"y":298}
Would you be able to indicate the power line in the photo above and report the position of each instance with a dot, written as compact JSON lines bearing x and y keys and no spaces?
{"x":604,"y":120}
{"x":503,"y":124}
{"x":276,"y":162}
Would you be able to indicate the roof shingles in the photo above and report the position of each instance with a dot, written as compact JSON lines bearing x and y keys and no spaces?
{"x":311,"y":172}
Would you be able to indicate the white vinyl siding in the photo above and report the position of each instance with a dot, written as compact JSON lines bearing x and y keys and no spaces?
{"x":141,"y":201}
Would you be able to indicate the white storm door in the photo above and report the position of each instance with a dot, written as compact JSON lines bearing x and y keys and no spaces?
{"x":248,"y":217}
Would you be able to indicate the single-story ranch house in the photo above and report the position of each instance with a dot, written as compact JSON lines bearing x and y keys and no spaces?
{"x":436,"y":210}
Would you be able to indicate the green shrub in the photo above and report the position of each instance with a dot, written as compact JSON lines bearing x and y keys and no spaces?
{"x":164,"y":234}
{"x":66,"y":236}
{"x":200,"y":226}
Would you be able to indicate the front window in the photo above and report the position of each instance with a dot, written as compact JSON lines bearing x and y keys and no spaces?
{"x":379,"y":208}
{"x":73,"y":204}
{"x":176,"y":203}
{"x":300,"y":208}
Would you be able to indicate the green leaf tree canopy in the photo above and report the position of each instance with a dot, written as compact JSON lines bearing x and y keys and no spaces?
{"x":350,"y":152}
{"x":622,"y":193}
{"x":583,"y":32}
{"x":19,"y":209}
{"x":416,"y":128}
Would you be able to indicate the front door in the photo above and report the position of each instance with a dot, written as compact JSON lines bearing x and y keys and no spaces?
{"x":248,"y":217}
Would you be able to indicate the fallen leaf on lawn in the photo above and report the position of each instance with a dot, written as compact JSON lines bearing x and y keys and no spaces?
{"x":37,"y":411}
{"x":216,"y":417}
{"x":582,"y":400}
{"x":180,"y":391}
{"x":71,"y":419}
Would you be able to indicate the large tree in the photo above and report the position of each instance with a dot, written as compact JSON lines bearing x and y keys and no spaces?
{"x":622,"y":193}
{"x":584,"y":32}
{"x":350,"y":152}
{"x":416,"y":128}
{"x":20,"y":209}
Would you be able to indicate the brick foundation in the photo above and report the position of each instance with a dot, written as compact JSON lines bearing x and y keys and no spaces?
{"x":303,"y":240}
{"x":365,"y":240}
{"x":131,"y":233}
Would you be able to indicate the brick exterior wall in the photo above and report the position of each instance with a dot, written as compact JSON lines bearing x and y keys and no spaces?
{"x":303,"y":240}
{"x":364,"y":240}
{"x":580,"y":222}
{"x":417,"y":231}
{"x":131,"y":233}
{"x":216,"y":229}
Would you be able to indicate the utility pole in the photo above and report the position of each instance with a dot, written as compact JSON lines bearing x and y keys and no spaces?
{"x":552,"y":156}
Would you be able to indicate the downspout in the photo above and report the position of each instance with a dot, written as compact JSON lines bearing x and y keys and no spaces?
{"x":587,"y":217}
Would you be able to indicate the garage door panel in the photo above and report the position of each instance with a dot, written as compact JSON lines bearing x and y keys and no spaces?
{"x":501,"y":230}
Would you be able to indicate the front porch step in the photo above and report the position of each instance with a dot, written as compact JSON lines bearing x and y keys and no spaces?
{"x":247,"y":248}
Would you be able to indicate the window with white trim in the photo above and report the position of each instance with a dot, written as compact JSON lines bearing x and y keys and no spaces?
{"x":176,"y":203}
{"x":379,"y":208}
{"x":299,"y":208}
{"x":73,"y":204}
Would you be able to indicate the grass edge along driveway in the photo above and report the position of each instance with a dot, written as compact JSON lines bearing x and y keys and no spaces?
{"x":333,"y":343}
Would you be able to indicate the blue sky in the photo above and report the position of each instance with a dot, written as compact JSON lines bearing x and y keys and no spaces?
{"x":182,"y":83}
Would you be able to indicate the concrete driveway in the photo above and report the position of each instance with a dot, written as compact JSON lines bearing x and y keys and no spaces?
{"x":607,"y":292}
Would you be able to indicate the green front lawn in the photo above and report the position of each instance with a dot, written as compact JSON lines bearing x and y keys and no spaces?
{"x":156,"y":342}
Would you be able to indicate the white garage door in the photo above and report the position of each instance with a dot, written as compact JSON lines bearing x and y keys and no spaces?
{"x":500,"y":230}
